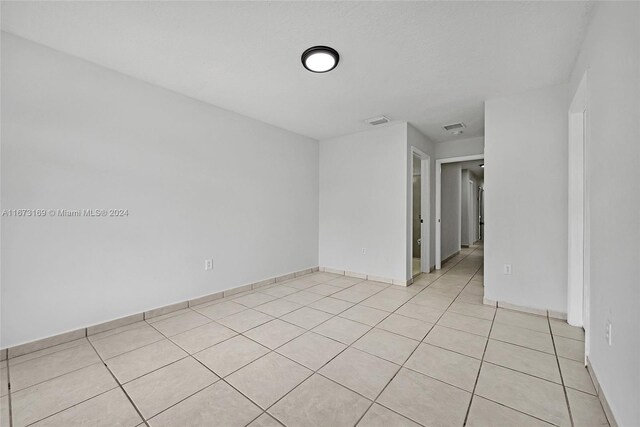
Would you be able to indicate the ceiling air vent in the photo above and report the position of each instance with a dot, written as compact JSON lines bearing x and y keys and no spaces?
{"x":453,"y":126}
{"x":377,"y":120}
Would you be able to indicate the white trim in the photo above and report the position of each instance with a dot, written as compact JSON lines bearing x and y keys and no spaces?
{"x":578,"y":213}
{"x":438,"y":218}
{"x":425,"y":208}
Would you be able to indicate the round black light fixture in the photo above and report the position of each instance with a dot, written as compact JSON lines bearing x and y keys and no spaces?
{"x":320,"y":59}
{"x":482,"y":165}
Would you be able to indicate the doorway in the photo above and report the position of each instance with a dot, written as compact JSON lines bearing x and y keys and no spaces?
{"x":438,"y":214}
{"x":416,"y":223}
{"x":419,"y":204}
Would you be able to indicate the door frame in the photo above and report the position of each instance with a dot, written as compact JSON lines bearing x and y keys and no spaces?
{"x":425,"y":212}
{"x":578,"y":280}
{"x":438,"y":186}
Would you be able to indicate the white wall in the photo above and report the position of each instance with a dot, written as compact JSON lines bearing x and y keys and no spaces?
{"x":451,"y":209}
{"x":526,"y":204}
{"x":363,"y":202}
{"x":459,"y":147}
{"x":199,"y":182}
{"x":611,"y":54}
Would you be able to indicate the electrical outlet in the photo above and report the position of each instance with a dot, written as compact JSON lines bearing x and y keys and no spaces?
{"x":607,"y":333}
{"x":364,"y":251}
{"x":208,"y":264}
{"x":506,"y":269}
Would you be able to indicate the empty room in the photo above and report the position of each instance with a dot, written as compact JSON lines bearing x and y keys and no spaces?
{"x":310,"y":213}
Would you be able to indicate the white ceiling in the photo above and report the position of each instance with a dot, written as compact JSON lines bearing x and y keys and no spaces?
{"x":429,"y":63}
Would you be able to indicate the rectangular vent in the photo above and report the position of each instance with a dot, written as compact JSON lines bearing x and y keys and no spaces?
{"x":377,"y":120}
{"x":453,"y":126}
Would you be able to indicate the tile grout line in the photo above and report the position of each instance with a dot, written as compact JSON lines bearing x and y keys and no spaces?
{"x":564,"y":388}
{"x":375,"y":400}
{"x":475,"y":385}
{"x":165,"y":337}
{"x":316,"y":371}
{"x":9,"y":395}
{"x":121,"y":387}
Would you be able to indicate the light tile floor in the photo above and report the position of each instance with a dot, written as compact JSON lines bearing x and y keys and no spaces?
{"x":319,"y":350}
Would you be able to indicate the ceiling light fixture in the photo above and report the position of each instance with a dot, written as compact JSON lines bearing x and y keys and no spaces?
{"x":482,"y":165}
{"x":320,"y":59}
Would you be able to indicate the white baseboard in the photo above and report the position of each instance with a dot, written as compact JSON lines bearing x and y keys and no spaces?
{"x":65,"y":337}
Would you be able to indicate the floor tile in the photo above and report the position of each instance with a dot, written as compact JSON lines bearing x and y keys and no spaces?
{"x":324,"y":289}
{"x":114,"y":345}
{"x":532,"y":362}
{"x":470,"y":299}
{"x":110,"y":409}
{"x":96,"y":337}
{"x":533,"y":396}
{"x":302,"y":283}
{"x":484,"y":413}
{"x":562,"y":329}
{"x":481,"y":311}
{"x":379,"y":416}
{"x":388,"y":299}
{"x":47,"y":398}
{"x":311,"y":350}
{"x":197,"y":339}
{"x":275,"y":333}
{"x":363,"y":314}
{"x":134,"y":364}
{"x":523,"y":337}
{"x":167,"y":386}
{"x":4,"y":411}
{"x":576,"y":375}
{"x":267,"y":379}
{"x":344,"y":282}
{"x":43,"y":368}
{"x":469,"y":324}
{"x":4,"y":382}
{"x":360,"y":372}
{"x":344,"y":330}
{"x":254,"y":299}
{"x":458,"y":341}
{"x":354,"y":294}
{"x":49,"y":350}
{"x":221,"y":309}
{"x":570,"y":349}
{"x":303,"y":297}
{"x":420,"y":312}
{"x":319,"y":402}
{"x":406,"y":326}
{"x":392,"y":347}
{"x":523,"y":320}
{"x":586,"y":409}
{"x":279,"y":291}
{"x":433,"y":301}
{"x":231,"y":355}
{"x":168,"y":315}
{"x":278,"y":307}
{"x":219,"y":402}
{"x":306,"y":317}
{"x":439,"y":404}
{"x":444,"y":365}
{"x":183,"y":322}
{"x":245,"y":320}
{"x":331,"y":305}
{"x":265,"y":420}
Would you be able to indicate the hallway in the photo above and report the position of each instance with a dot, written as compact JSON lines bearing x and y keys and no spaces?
{"x":319,"y":350}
